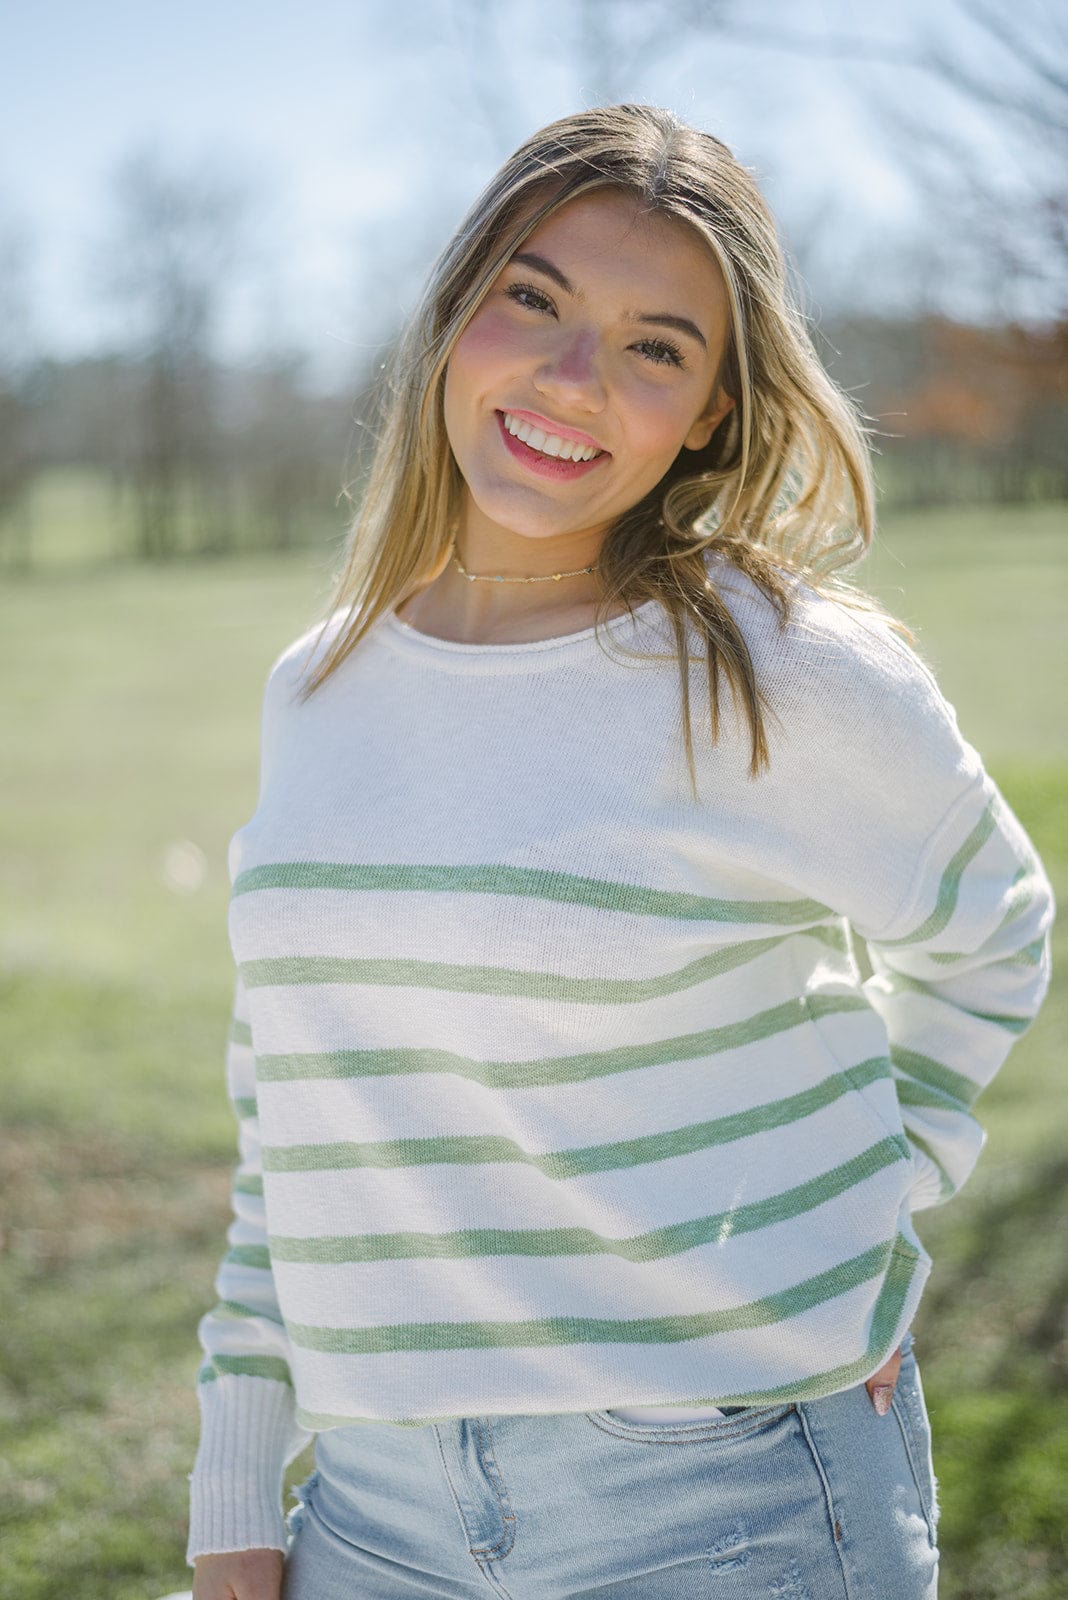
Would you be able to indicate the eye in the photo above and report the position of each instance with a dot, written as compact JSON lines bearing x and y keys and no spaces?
{"x":525,"y":294}
{"x":662,"y":352}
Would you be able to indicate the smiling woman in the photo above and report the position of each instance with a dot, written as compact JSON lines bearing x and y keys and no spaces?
{"x":584,"y":354}
{"x":578,"y":1164}
{"x":770,"y":466}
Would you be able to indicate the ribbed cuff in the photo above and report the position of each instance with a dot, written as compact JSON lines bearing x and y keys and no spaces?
{"x":248,"y":1434}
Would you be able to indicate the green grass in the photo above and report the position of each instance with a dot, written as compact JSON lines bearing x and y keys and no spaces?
{"x":132,"y":698}
{"x":73,"y":519}
{"x":984,"y":591}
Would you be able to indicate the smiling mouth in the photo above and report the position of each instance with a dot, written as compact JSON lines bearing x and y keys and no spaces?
{"x":551,"y":445}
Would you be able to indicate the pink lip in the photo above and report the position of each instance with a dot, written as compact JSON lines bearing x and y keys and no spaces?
{"x":553,"y":467}
{"x":557,"y":428}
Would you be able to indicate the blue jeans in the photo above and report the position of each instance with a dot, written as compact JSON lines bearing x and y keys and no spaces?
{"x":814,"y":1500}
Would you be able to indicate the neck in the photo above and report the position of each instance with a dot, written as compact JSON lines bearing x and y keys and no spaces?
{"x":481,"y":609}
{"x":500,"y":577}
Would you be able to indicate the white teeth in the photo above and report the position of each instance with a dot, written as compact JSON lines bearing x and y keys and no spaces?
{"x":547,"y":444}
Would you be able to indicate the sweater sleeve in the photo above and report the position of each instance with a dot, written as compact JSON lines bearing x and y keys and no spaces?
{"x":893,"y":822}
{"x":248,"y":1430}
{"x":958,"y":977}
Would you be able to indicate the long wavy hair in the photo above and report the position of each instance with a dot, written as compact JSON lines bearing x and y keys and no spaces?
{"x":784,"y":486}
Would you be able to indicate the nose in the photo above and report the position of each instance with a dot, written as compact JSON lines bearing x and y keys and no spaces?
{"x":573,"y":372}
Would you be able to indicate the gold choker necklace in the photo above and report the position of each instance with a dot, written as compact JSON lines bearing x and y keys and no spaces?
{"x":485,"y":577}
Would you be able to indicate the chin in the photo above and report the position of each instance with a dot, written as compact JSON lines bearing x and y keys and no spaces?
{"x":516,"y":515}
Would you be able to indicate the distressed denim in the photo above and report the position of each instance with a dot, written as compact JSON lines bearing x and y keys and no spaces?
{"x":813,"y":1500}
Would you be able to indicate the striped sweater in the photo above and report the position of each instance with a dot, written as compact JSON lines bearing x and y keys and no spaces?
{"x":559,"y":1088}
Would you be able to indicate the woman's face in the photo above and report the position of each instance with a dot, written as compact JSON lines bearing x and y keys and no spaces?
{"x":605,"y":332}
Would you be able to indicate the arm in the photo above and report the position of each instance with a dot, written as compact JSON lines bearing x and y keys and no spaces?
{"x":248,"y":1430}
{"x":244,"y":1386}
{"x":958,"y":977}
{"x":886,"y":814}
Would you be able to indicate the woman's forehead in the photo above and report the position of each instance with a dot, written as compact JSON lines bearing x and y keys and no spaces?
{"x":614,"y":233}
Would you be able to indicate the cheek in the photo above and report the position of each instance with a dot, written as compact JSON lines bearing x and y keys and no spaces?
{"x":659,"y":424}
{"x":487,"y":344}
{"x":479,"y":365}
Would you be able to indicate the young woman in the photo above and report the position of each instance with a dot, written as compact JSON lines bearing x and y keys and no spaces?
{"x":573,"y":1216}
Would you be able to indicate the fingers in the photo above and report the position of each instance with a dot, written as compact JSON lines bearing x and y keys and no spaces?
{"x":881,"y":1384}
{"x":238,"y":1575}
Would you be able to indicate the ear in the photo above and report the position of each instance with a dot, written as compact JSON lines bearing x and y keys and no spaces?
{"x":707,"y":423}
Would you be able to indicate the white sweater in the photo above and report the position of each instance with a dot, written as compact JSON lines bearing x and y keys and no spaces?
{"x":560,"y":1090}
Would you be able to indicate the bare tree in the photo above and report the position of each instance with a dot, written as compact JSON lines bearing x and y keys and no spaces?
{"x":607,"y":46}
{"x":177,"y":242}
{"x":1036,"y":45}
{"x":17,"y":455}
{"x":995,"y":191}
{"x":1010,"y":214}
{"x":290,"y":447}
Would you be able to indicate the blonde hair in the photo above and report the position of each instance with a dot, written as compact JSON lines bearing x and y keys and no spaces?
{"x":783,"y":487}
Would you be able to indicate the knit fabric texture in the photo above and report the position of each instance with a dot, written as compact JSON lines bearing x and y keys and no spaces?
{"x":560,"y":1088}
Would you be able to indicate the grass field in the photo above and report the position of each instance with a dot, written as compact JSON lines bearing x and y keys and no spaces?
{"x":129,"y":713}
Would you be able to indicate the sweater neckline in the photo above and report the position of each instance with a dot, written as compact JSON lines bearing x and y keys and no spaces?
{"x":457,"y":653}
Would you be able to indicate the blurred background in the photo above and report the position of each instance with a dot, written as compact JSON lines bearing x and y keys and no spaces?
{"x":213,"y":221}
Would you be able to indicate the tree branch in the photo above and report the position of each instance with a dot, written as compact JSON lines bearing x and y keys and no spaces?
{"x":936,"y":63}
{"x":1021,"y":48}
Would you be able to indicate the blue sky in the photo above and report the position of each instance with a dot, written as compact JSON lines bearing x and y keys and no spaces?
{"x":363,"y":130}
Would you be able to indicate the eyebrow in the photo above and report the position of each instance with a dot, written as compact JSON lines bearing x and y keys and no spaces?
{"x":663,"y":319}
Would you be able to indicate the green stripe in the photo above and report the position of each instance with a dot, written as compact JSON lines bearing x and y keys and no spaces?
{"x":962,"y":1091}
{"x":470,"y":1149}
{"x":246,"y":1367}
{"x":543,"y":1071}
{"x":949,"y":887}
{"x":517,"y":981}
{"x":249,"y":1255}
{"x":244,"y":1105}
{"x":1015,"y":1025}
{"x":320,"y":1421}
{"x":903,"y":983}
{"x":652,"y":1246}
{"x":1033,"y":954}
{"x":240,"y":1032}
{"x":886,"y":1318}
{"x":556,"y":1331}
{"x":1018,"y":901}
{"x":917,"y":1094}
{"x":235,"y":1309}
{"x":248,"y":1183}
{"x":499,"y":878}
{"x":901,"y":1269}
{"x":947,"y":1186}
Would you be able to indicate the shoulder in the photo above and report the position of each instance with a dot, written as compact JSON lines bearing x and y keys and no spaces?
{"x":290,"y":667}
{"x":866,"y":762}
{"x":831,"y":663}
{"x":287,"y":676}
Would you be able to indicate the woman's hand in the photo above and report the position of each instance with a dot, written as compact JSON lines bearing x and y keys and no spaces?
{"x":880,"y":1385}
{"x":238,"y":1575}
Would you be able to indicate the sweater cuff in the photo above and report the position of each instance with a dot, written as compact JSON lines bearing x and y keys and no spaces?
{"x":248,"y":1436}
